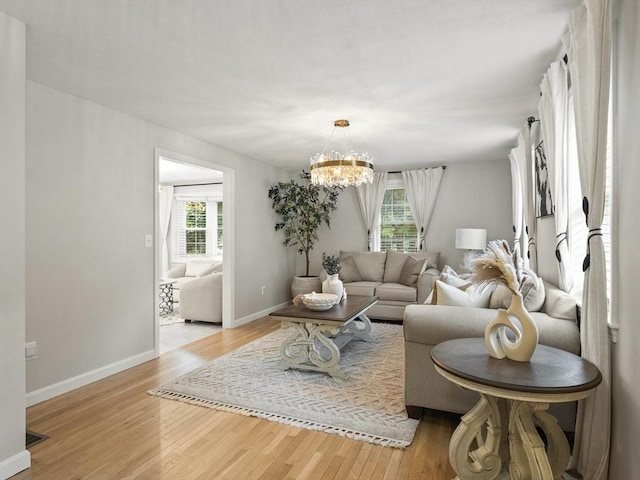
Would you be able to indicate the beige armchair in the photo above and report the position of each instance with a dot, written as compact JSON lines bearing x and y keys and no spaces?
{"x":201,"y":299}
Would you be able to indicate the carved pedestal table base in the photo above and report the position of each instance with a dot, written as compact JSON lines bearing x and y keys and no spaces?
{"x":317,"y":337}
{"x":314,"y":346}
{"x":499,"y":434}
{"x":478,"y":448}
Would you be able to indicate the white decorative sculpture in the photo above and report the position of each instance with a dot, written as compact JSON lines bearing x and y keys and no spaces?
{"x":521,"y":348}
{"x":498,"y":265}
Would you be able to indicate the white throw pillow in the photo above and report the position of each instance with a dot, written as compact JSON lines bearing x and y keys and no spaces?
{"x":455,"y":297}
{"x":197,"y":269}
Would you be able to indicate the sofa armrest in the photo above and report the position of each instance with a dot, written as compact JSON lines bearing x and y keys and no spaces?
{"x":425,"y":283}
{"x":178,"y":271}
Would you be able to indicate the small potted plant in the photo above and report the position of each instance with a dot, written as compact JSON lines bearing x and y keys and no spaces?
{"x":331,"y":264}
{"x":332,"y":284}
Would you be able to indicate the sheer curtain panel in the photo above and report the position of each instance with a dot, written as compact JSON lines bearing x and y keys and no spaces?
{"x":553,"y":110}
{"x":422,"y":188}
{"x":165,"y":205}
{"x":588,"y":46}
{"x":370,"y":196}
{"x":517,"y":158}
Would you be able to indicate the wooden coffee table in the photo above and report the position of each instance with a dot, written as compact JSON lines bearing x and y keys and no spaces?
{"x":318,"y":336}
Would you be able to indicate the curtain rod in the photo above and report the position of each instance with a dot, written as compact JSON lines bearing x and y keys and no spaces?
{"x":444,"y":167}
{"x":196,"y":184}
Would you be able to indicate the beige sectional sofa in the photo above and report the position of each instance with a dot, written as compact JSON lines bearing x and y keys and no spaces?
{"x":428,"y":325}
{"x":398,"y":279}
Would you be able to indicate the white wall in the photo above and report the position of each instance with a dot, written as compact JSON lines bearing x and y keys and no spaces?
{"x":625,"y":438}
{"x":90,"y":199}
{"x":13,"y":456}
{"x":472,"y":194}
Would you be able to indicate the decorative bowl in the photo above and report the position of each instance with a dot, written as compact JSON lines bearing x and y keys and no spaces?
{"x":319,"y":302}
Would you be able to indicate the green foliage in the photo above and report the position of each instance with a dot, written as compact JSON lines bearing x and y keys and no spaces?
{"x":331,"y":263}
{"x":303,"y":208}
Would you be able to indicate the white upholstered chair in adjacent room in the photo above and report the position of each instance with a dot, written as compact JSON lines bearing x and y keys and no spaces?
{"x":201,"y":299}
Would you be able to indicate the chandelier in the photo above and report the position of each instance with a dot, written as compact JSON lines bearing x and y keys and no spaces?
{"x":341,"y":169}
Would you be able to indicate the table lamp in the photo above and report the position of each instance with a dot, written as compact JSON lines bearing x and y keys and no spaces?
{"x":472,"y":240}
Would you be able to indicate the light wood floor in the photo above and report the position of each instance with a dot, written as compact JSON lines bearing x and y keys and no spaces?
{"x":113,"y":429}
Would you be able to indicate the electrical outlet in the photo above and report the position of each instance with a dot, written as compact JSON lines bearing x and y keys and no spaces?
{"x":264,"y":290}
{"x":31,"y":350}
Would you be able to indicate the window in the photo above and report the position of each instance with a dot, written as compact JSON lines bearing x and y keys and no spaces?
{"x":219,"y":227}
{"x":397,"y":228}
{"x":199,"y":228}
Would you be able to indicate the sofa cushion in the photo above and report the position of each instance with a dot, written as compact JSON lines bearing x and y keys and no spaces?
{"x":559,"y":304}
{"x":397,"y":292}
{"x":361,"y":288}
{"x":532,"y":291}
{"x":500,"y":297}
{"x":411,"y":271}
{"x":393,"y":266}
{"x":213,"y":268}
{"x":195,"y":269}
{"x":349,"y":271}
{"x":456,"y":297}
{"x":370,"y":264}
{"x":396,"y":261}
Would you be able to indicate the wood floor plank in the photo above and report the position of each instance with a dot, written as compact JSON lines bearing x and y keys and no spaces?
{"x":114,"y":430}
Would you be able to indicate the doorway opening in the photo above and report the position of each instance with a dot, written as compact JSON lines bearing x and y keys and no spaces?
{"x":193,"y":262}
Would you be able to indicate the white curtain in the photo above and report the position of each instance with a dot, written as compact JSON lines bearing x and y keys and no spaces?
{"x":370,"y":196}
{"x":553,"y":110}
{"x":517,"y":158}
{"x":165,"y":206}
{"x":421,"y":187}
{"x":529,"y":204}
{"x":588,"y":46}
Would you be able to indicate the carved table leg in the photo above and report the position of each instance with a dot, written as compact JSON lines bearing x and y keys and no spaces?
{"x":361,"y":332}
{"x":528,"y":453}
{"x":475,"y":444}
{"x":310,"y":349}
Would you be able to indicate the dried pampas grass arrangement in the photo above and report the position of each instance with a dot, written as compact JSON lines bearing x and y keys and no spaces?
{"x":499,"y":265}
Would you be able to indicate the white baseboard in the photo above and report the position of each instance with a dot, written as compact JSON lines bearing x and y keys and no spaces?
{"x":15,"y":464}
{"x":254,"y":316}
{"x":83,"y":379}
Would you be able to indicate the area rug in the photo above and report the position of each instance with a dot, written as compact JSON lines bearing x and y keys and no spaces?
{"x":368,"y":406}
{"x":173,"y":317}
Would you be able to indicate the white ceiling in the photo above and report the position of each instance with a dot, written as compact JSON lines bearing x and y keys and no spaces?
{"x":177,"y":173}
{"x":423,"y":82}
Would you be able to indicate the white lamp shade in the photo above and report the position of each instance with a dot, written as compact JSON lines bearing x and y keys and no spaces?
{"x":471,"y":238}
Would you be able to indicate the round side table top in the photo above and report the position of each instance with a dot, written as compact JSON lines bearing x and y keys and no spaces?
{"x":550,"y":371}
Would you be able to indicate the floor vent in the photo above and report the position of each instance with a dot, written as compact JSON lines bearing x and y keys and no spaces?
{"x":33,"y":438}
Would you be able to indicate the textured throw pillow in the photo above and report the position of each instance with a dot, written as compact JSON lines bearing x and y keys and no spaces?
{"x":455,"y":297}
{"x":500,"y":297}
{"x":411,"y":271}
{"x":532,"y":291}
{"x":348,"y":270}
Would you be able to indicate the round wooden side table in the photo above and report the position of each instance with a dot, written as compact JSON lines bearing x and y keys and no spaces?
{"x":500,"y":430}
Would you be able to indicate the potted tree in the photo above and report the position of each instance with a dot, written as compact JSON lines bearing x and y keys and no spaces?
{"x":303,"y":208}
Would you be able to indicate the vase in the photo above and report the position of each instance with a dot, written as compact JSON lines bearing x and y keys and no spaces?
{"x":301,"y":284}
{"x":523,"y":340}
{"x":334,"y":285}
